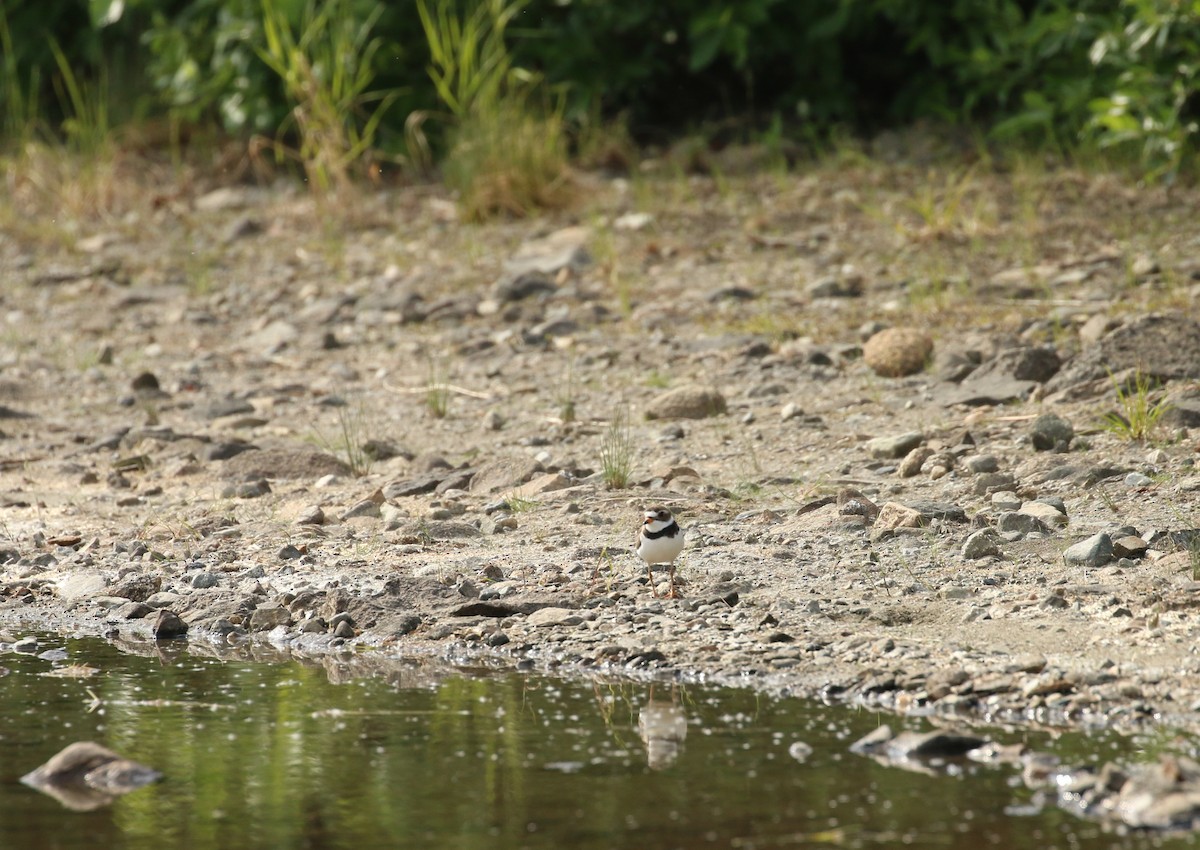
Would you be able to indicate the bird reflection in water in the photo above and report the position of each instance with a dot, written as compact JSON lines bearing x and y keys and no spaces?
{"x":663,"y":727}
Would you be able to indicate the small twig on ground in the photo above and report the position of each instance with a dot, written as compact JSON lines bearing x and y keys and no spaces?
{"x":450,"y":388}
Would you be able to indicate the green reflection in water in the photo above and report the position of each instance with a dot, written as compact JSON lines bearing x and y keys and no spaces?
{"x":279,"y":756}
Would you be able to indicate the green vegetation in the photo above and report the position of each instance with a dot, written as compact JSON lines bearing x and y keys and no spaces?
{"x":506,"y":150}
{"x":350,"y":440}
{"x":616,"y":452}
{"x":437,"y":392}
{"x":499,"y":94}
{"x":518,"y":505}
{"x":325,"y":65}
{"x":1138,"y":412}
{"x":567,"y":394}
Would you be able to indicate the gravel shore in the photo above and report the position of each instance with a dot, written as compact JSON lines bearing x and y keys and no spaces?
{"x":398,"y":433}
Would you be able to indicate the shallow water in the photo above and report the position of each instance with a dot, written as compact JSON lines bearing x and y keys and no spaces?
{"x":278,"y":756}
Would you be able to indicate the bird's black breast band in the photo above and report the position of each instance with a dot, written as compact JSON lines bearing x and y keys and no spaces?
{"x":670,"y":531}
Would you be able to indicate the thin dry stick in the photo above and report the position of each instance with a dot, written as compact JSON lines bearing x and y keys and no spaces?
{"x":450,"y":388}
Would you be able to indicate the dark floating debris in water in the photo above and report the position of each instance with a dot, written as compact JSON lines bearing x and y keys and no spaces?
{"x":1162,"y":796}
{"x":85,"y":776}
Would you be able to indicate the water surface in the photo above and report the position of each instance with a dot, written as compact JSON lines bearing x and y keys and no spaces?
{"x":279,"y":756}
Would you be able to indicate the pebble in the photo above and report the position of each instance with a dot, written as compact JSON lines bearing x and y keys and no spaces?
{"x":1129,"y":546}
{"x":1048,"y":514}
{"x":169,"y":625}
{"x":492,"y":420}
{"x":312,"y":515}
{"x":1051,"y":432}
{"x":498,"y":524}
{"x":896,"y":352}
{"x":554,"y":617}
{"x":205,"y":580}
{"x":800,"y":751}
{"x":991,"y":482}
{"x":267,"y":617}
{"x":633,"y":221}
{"x":1006,"y":500}
{"x":690,"y":402}
{"x":911,"y":465}
{"x":1019,"y":523}
{"x":976,"y":464}
{"x":364,"y":508}
{"x":1095,"y":551}
{"x":981,"y":544}
{"x":893,"y":515}
{"x":1137,"y":479}
{"x":894,"y":446}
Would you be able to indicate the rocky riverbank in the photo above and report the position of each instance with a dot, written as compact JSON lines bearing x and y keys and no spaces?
{"x":399,"y":433}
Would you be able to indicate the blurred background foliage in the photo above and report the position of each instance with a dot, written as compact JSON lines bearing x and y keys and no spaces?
{"x":1101,"y":74}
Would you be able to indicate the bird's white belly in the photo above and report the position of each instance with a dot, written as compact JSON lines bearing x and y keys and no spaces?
{"x":664,"y":550}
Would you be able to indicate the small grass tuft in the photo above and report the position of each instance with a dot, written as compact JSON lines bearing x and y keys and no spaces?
{"x":437,"y":392}
{"x":616,"y":452}
{"x":606,"y":567}
{"x":658,"y":380}
{"x":349,"y":442}
{"x":565,"y":396}
{"x":1139,"y":414}
{"x":85,"y":105}
{"x":518,"y":505}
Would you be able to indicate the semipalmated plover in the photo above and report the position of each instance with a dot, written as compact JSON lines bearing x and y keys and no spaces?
{"x":660,"y":541}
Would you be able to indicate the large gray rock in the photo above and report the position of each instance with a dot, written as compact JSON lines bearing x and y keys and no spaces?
{"x":1096,"y":551}
{"x":1028,"y":363}
{"x":1161,"y":346}
{"x":987,"y":390}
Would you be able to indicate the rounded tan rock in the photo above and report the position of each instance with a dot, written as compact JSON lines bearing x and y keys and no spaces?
{"x":896,"y":352}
